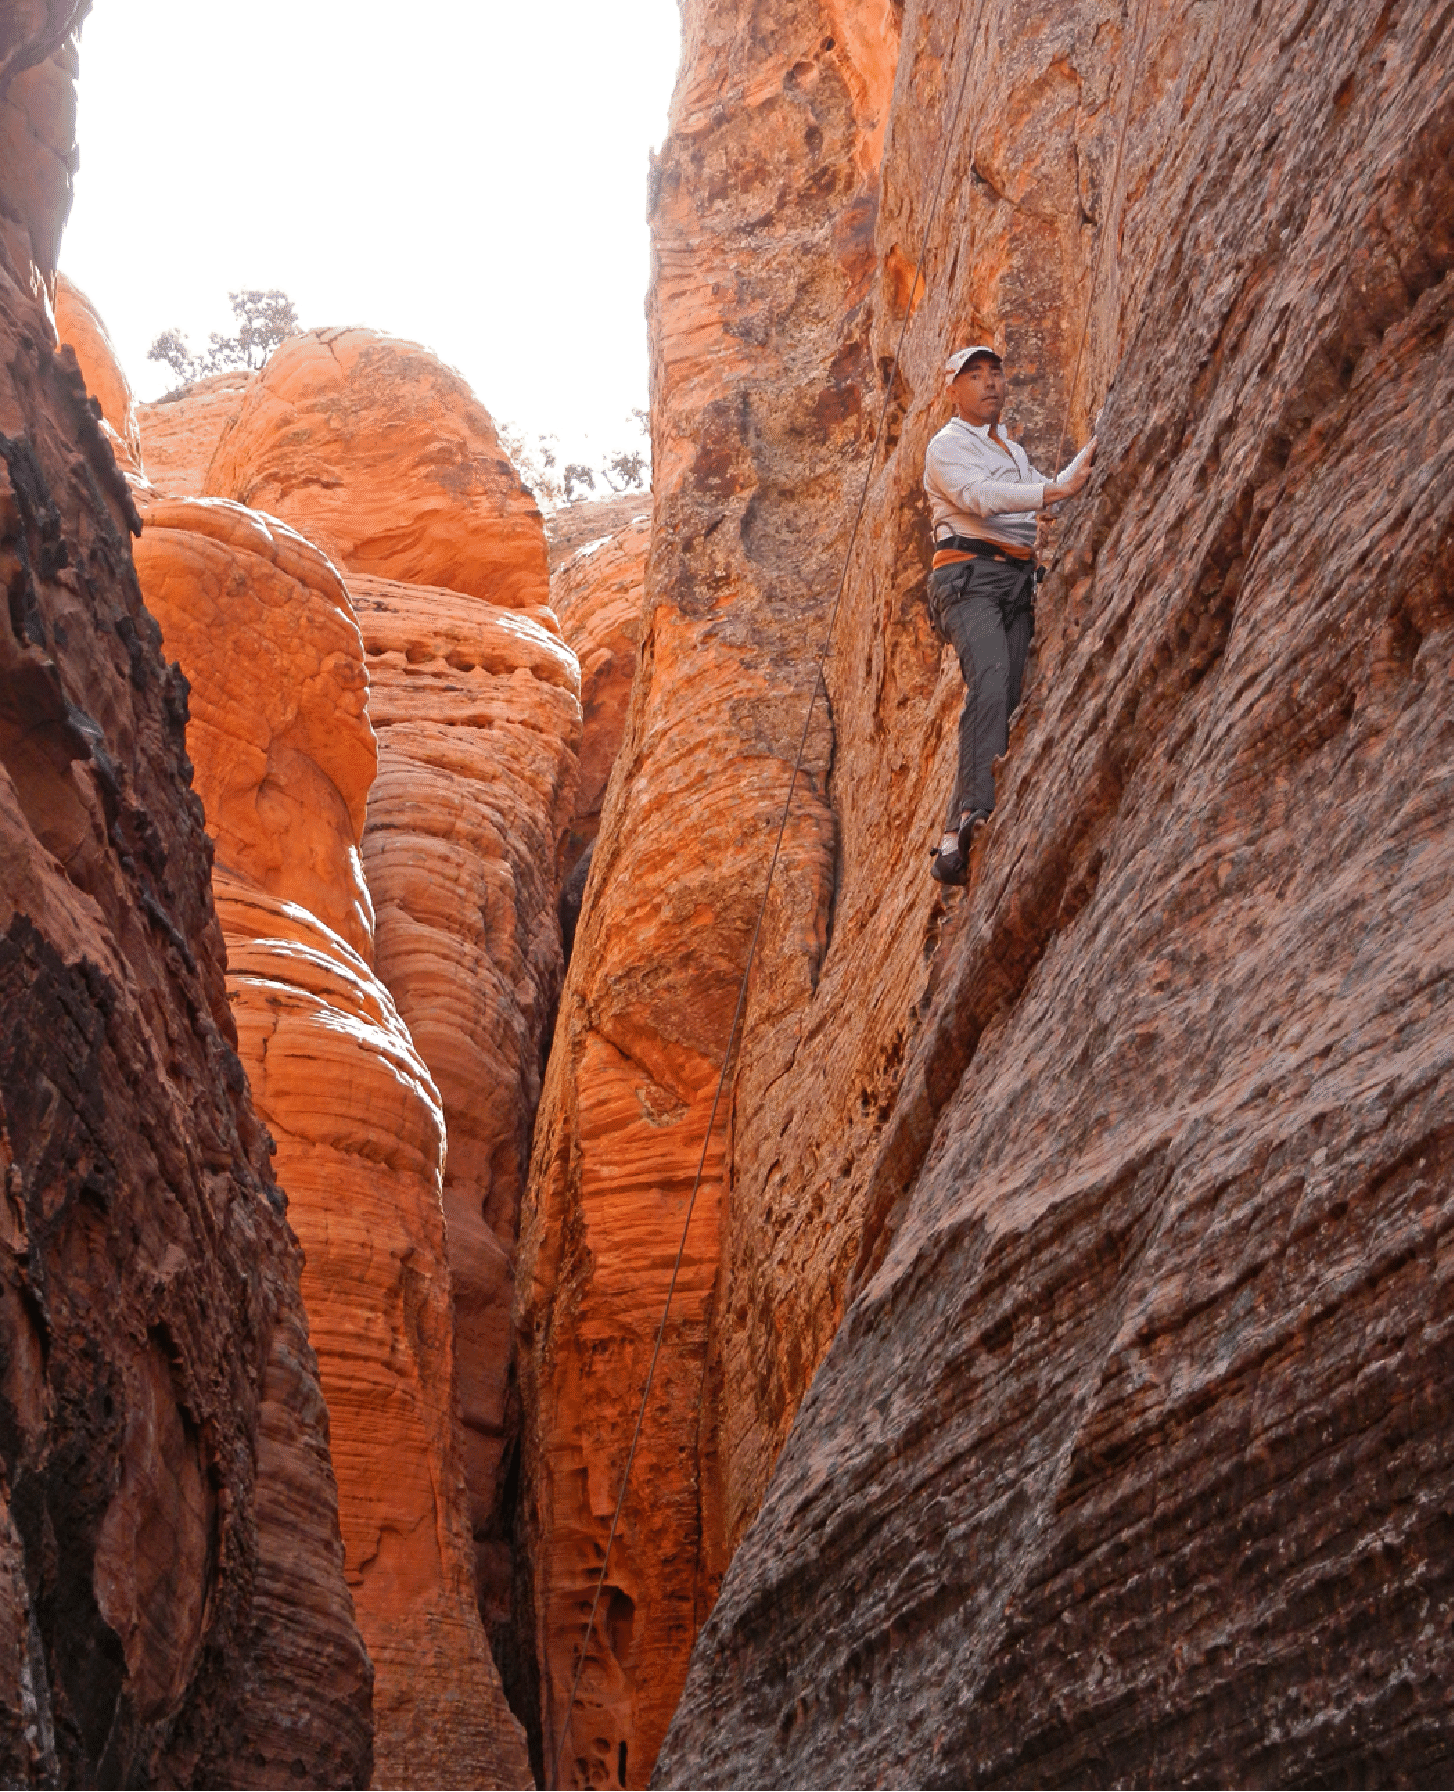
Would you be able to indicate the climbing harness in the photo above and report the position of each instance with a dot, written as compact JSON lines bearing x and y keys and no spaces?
{"x":950,"y":139}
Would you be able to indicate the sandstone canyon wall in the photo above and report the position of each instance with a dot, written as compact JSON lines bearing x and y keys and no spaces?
{"x":476,"y":710}
{"x":1107,"y":1201}
{"x":285,"y":761}
{"x":596,"y":593}
{"x":386,"y":458}
{"x":174,"y":1604}
{"x":762,"y":388}
{"x":1130,"y":1458}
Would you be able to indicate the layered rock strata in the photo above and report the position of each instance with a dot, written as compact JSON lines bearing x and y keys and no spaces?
{"x":762,"y":392}
{"x":378,"y":452}
{"x":384,"y":457}
{"x":285,"y":760}
{"x":172,"y":1600}
{"x":596,"y":593}
{"x":179,"y":435}
{"x":1130,"y":1459}
{"x":477,"y":711}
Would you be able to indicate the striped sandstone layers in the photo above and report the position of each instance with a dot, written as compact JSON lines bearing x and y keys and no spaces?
{"x":179,"y":435}
{"x":1130,"y":1458}
{"x":596,"y":593}
{"x":762,"y":384}
{"x":386,"y":458}
{"x":477,"y":713}
{"x":173,"y":1607}
{"x":285,"y":759}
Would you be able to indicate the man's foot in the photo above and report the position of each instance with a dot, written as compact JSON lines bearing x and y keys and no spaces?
{"x":971,"y":821}
{"x":948,"y":864}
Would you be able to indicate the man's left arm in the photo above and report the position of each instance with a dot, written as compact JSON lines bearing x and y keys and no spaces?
{"x":1071,"y":479}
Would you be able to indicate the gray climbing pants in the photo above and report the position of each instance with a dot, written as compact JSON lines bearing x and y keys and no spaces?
{"x":985,"y":609}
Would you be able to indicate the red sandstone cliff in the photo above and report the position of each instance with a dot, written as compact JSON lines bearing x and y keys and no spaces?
{"x":285,"y":760}
{"x":179,"y":435}
{"x":385,"y":458}
{"x":762,"y":387}
{"x":1106,"y":1202}
{"x":376,"y":450}
{"x":1130,"y":1455}
{"x":172,"y":1600}
{"x":596,"y":593}
{"x":478,"y":713}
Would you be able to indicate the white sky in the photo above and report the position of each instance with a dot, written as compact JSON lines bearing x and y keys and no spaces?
{"x":471,"y":175}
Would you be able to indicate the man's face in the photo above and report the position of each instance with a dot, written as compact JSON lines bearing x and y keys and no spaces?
{"x":979,"y":390}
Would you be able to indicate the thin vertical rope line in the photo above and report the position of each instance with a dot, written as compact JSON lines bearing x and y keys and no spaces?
{"x":1111,"y":198}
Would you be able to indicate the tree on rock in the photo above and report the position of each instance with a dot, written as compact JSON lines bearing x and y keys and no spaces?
{"x":264,"y":319}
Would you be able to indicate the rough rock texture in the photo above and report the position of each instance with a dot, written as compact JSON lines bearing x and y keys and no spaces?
{"x":79,"y":325}
{"x":1131,"y":1459}
{"x":279,"y":733}
{"x":38,"y":159}
{"x":172,"y":1600}
{"x":384,"y":457}
{"x":478,"y":716}
{"x":592,"y":519}
{"x":179,"y":435}
{"x":762,"y":387}
{"x":285,"y":759}
{"x":597,"y":596}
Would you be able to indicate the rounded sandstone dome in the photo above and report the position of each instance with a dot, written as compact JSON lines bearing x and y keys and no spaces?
{"x":79,"y":323}
{"x":384,"y":456}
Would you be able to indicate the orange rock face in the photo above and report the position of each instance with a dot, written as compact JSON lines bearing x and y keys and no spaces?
{"x":285,"y":759}
{"x":759,"y":401}
{"x":283,"y":749}
{"x":384,"y":457}
{"x":179,"y":436}
{"x":172,"y":1601}
{"x":1136,"y":1233}
{"x":79,"y":325}
{"x":597,"y":594}
{"x":477,"y":713}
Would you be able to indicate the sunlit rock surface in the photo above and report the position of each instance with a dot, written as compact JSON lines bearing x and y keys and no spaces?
{"x":285,"y":758}
{"x":79,"y":324}
{"x":384,"y":456}
{"x":279,"y":730}
{"x":179,"y":435}
{"x":1131,"y":1457}
{"x":762,"y":389}
{"x":597,"y":595}
{"x":173,"y":1607}
{"x":478,"y":715}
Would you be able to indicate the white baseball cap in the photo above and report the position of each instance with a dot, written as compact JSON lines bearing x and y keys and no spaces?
{"x":956,"y":363}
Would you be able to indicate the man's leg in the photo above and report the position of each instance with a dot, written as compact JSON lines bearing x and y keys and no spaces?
{"x":1019,"y":629}
{"x":973,"y":624}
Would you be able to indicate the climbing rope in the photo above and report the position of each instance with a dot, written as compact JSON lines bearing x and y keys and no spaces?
{"x":1112,"y":193}
{"x":950,"y":139}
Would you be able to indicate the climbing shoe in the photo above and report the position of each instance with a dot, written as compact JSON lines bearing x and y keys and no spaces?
{"x":948,"y":865}
{"x":967,"y":826}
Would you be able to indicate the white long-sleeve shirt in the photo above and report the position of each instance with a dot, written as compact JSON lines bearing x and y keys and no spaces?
{"x":984,"y":486}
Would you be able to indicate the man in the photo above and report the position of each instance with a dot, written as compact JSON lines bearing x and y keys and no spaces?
{"x":984,"y":496}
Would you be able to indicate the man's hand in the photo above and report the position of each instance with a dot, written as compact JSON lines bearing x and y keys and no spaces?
{"x":1072,"y":482}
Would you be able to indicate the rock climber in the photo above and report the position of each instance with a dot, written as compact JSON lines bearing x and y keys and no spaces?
{"x":984,"y":496}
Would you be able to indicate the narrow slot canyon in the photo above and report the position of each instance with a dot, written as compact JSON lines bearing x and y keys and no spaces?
{"x":1056,"y":1380}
